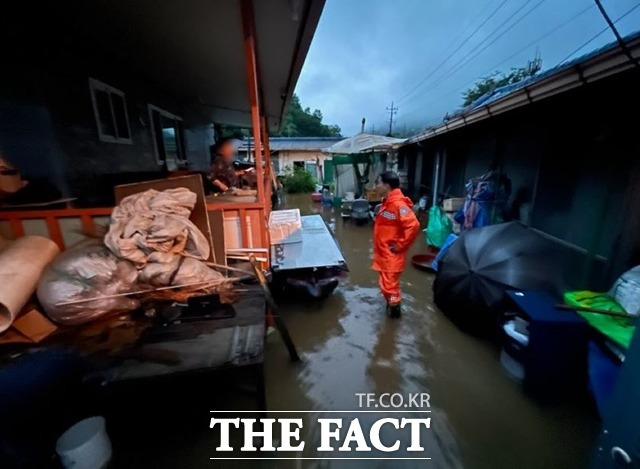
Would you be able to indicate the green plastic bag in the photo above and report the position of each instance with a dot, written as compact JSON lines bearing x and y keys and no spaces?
{"x":438,"y":228}
{"x":619,"y":330}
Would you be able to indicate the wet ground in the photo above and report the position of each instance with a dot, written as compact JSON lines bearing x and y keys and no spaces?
{"x":480,"y":416}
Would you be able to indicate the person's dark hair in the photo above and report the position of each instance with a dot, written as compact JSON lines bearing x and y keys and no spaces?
{"x":221,"y":143}
{"x":391,"y":178}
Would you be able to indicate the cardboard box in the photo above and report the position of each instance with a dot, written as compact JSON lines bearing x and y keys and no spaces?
{"x":452,"y":205}
{"x":285,"y":226}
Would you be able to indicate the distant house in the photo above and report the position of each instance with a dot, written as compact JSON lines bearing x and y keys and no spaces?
{"x":565,"y":141}
{"x":101,"y":93}
{"x":302,"y":152}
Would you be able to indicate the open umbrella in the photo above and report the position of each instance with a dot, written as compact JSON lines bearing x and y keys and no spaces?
{"x":485,"y":262}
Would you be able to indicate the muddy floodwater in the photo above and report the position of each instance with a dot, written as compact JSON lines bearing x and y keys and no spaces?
{"x":480,"y":418}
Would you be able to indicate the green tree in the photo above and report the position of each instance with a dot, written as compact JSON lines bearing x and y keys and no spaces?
{"x":299,"y":180}
{"x":299,"y":122}
{"x":498,"y":79}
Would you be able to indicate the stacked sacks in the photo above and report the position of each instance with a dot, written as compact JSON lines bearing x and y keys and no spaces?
{"x":155,"y":221}
{"x":150,"y":243}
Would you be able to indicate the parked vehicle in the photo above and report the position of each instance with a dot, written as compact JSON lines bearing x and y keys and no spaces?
{"x":360,"y":211}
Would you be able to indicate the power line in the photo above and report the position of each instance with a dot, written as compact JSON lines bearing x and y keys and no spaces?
{"x":454,"y":52}
{"x":468,"y":54}
{"x":466,"y":28}
{"x":544,"y":36}
{"x":532,"y":43}
{"x":605,"y":15}
{"x":488,"y":36}
{"x":464,"y":64}
{"x":593,"y":38}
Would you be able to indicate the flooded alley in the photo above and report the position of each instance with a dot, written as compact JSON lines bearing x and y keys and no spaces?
{"x":480,"y":416}
{"x":194,"y":196}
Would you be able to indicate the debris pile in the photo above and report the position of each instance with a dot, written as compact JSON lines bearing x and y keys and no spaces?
{"x":152,"y":250}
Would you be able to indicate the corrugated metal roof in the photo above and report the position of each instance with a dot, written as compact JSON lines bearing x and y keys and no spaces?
{"x":508,"y":89}
{"x":503,"y":93}
{"x":296,"y":143}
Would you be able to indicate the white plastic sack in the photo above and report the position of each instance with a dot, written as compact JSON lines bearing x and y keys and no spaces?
{"x":626,"y":291}
{"x":87,"y":270}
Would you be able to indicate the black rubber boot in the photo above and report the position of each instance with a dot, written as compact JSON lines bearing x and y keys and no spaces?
{"x":394,"y":311}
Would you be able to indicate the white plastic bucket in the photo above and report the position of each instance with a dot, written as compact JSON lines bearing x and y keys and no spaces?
{"x":85,"y":445}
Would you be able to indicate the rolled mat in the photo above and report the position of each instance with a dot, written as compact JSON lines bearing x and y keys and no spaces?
{"x":21,"y":265}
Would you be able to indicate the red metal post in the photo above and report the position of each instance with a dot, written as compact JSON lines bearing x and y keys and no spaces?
{"x":249,"y":30}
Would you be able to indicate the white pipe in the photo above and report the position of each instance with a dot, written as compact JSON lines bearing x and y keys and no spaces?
{"x":436,"y":179}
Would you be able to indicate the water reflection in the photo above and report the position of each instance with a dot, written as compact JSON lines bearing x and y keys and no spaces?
{"x":480,"y":418}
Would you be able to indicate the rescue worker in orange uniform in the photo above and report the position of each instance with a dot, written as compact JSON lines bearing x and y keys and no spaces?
{"x":395,"y":229}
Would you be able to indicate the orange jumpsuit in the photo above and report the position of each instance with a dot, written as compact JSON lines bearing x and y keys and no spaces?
{"x":395,"y":223}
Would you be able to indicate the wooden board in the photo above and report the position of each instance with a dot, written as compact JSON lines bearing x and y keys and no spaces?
{"x":199,"y":215}
{"x":216,"y":221}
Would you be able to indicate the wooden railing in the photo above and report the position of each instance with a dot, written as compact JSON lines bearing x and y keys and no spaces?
{"x":52,"y":219}
{"x":252,"y":219}
{"x":252,"y":216}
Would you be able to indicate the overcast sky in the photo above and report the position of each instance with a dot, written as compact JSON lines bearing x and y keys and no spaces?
{"x":366,"y":53}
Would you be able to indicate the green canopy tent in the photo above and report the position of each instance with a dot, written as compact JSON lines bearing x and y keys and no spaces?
{"x":359,"y":159}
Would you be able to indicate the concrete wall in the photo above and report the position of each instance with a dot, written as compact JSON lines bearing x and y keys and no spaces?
{"x":574,"y":159}
{"x":286,"y":158}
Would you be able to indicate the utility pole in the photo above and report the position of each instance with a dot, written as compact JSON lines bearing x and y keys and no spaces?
{"x":392,"y":111}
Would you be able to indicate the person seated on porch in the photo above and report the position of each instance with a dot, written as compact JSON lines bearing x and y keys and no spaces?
{"x":223,"y":175}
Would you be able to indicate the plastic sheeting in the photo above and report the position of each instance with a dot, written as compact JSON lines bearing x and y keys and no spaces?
{"x":626,"y":291}
{"x":619,"y":330}
{"x":154,"y":221}
{"x":364,"y":142}
{"x":87,"y":270}
{"x":485,"y":201}
{"x":346,"y":180}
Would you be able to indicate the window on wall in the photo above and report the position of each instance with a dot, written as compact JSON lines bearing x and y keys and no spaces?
{"x":168,"y":138}
{"x":110,"y":112}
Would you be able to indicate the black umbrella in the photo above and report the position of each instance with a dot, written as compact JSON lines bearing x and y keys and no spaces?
{"x":485,"y":262}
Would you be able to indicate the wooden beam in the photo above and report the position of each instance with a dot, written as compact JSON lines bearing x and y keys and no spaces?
{"x":88,"y":225}
{"x":243,"y":228}
{"x":54,"y":232}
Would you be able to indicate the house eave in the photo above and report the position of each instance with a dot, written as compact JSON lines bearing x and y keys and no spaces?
{"x":608,"y":63}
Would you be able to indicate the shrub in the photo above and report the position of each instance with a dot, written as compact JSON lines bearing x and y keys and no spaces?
{"x":299,"y":181}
